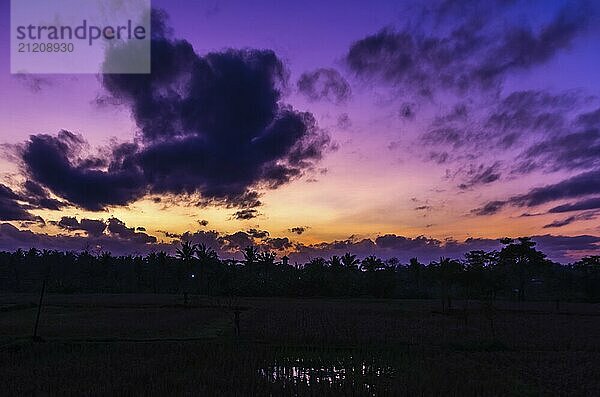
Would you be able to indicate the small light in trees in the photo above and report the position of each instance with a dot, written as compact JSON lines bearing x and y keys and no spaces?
{"x":193,"y":275}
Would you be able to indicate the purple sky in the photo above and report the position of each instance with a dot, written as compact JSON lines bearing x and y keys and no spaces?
{"x":463,"y":122}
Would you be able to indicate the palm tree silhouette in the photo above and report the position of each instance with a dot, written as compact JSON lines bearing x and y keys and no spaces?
{"x":206,"y":256}
{"x":349,"y":261}
{"x":317,"y":264}
{"x":267,"y":258}
{"x":250,"y":255}
{"x":335,"y":262}
{"x":186,"y":255}
{"x":371,"y":263}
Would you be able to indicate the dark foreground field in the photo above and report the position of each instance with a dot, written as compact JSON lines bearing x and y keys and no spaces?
{"x":152,"y":345}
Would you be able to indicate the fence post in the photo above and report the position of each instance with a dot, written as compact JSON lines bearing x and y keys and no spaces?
{"x":36,"y":338}
{"x":237,"y":322}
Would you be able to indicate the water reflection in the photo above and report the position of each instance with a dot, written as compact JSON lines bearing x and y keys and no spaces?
{"x":300,"y":370}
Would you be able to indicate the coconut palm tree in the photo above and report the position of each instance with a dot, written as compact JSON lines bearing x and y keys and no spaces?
{"x":250,"y":255}
{"x":267,"y":258}
{"x":316,"y":264}
{"x":335,"y":262}
{"x":186,"y":255}
{"x":349,"y":261}
{"x":206,"y":257}
{"x":371,"y":263}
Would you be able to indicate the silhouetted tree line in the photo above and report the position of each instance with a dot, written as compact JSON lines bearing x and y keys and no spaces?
{"x":517,"y":271}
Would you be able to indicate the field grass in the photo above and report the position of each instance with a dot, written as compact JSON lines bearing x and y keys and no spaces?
{"x":152,"y":345}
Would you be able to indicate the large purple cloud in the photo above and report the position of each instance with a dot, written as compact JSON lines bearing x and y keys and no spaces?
{"x":212,"y":125}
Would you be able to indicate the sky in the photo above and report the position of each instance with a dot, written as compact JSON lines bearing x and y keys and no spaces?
{"x":314,"y":128}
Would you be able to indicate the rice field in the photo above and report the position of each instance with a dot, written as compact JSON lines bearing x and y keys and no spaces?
{"x":154,"y":345}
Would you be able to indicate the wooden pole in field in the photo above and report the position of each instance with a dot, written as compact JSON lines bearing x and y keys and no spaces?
{"x":37,"y":318}
{"x":237,"y":322}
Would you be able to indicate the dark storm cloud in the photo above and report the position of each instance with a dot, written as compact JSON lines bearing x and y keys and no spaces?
{"x":587,"y":204}
{"x":324,"y":84}
{"x":476,"y":53}
{"x":55,"y":162}
{"x":215,"y":124}
{"x":212,"y":125}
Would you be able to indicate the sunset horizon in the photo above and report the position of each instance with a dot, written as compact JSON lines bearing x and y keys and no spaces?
{"x":405,"y":131}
